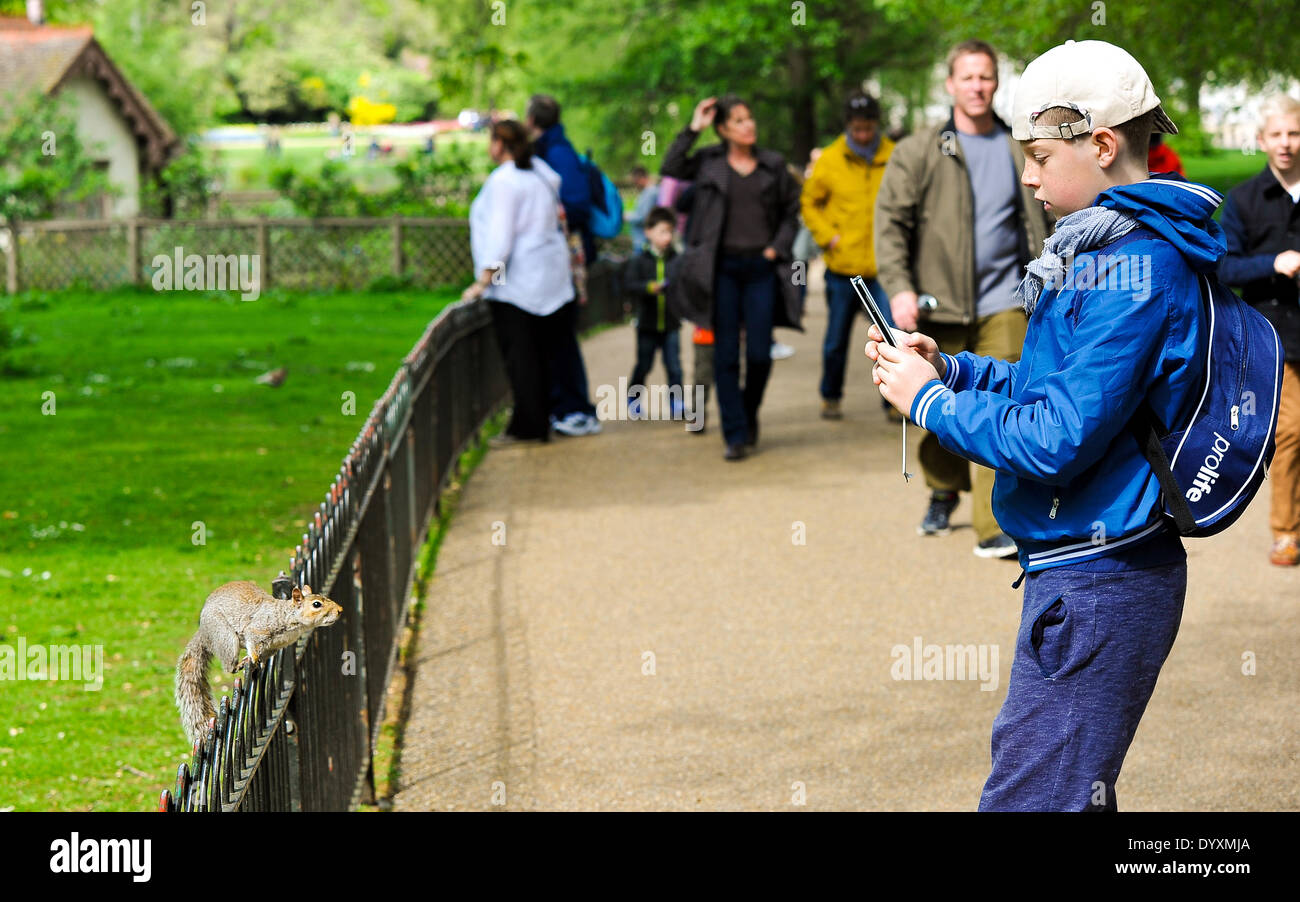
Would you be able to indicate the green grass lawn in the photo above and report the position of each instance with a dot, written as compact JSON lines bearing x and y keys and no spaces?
{"x":158,"y":424}
{"x":1224,"y":169}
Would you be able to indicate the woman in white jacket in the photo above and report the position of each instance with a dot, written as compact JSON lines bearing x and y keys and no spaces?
{"x":522,"y":260}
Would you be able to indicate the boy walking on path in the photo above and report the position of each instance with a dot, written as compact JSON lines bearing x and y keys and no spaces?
{"x":646,"y":280}
{"x":1105,"y":576}
{"x":1261,"y":220}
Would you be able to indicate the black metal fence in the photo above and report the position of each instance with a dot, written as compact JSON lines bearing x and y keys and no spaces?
{"x":299,"y":730}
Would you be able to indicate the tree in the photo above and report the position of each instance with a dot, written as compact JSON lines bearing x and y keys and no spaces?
{"x":43,"y":164}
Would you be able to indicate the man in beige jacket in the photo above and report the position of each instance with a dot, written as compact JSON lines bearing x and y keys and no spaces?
{"x":955,"y":226}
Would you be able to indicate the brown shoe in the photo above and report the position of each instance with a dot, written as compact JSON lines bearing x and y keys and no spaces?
{"x":1285,"y":552}
{"x":831,"y":410}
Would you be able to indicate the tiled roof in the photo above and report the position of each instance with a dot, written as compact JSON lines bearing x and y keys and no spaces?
{"x":41,"y":57}
{"x":37,"y":56}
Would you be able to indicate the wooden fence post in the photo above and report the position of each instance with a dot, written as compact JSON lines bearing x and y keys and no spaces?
{"x":399,"y":262}
{"x":11,"y":260}
{"x":133,"y":251}
{"x":264,"y":252}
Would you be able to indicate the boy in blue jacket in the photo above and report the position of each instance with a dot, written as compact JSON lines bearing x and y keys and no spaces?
{"x":1111,"y":327}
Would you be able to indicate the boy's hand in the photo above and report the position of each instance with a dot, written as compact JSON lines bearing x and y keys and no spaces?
{"x":901,"y":373}
{"x":924,"y":345}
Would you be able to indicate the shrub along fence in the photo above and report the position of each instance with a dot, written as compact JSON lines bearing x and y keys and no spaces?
{"x":299,"y":730}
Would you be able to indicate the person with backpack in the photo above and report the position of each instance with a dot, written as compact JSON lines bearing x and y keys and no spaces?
{"x":737,"y":268}
{"x":1118,"y":335}
{"x":523,"y":273}
{"x":1261,"y":220}
{"x":572,"y":412}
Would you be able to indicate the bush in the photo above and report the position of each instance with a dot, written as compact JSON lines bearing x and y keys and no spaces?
{"x":428,"y":185}
{"x":182,"y":188}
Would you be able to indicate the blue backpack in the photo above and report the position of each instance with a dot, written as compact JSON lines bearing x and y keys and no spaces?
{"x":606,"y":204}
{"x":1210,"y":466}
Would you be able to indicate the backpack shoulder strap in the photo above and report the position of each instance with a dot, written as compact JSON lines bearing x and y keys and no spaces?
{"x":1148,"y":439}
{"x":1147,"y":429}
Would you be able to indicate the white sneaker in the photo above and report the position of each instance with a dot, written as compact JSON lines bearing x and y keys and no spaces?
{"x":576,"y":424}
{"x":781,"y":351}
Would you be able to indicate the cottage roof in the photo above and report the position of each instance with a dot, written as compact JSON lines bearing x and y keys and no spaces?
{"x":44,"y":57}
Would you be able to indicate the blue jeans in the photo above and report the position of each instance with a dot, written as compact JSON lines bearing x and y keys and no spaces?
{"x":1090,"y":647}
{"x":670,"y":342}
{"x":843,"y":308}
{"x":745,"y":290}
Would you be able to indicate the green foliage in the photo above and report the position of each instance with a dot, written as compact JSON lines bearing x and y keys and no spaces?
{"x":326,"y":192}
{"x":428,"y":185}
{"x":625,"y":70}
{"x":43,"y":164}
{"x":182,"y":188}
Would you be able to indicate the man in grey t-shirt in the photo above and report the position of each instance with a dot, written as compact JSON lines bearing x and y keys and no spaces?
{"x":997,"y":222}
{"x":953,"y":221}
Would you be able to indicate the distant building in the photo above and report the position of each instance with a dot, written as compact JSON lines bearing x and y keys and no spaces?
{"x":121,"y":131}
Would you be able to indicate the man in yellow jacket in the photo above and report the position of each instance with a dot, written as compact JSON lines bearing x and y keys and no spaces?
{"x":838,"y":203}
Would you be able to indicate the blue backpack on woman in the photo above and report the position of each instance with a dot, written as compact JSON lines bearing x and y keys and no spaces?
{"x":606,"y":204}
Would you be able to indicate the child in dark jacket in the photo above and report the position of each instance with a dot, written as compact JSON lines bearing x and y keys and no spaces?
{"x":646,"y":279}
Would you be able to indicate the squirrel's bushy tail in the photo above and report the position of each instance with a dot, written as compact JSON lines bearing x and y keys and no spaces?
{"x":193,"y":696}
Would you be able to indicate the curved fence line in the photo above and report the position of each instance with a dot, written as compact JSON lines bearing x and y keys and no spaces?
{"x":298,"y":731}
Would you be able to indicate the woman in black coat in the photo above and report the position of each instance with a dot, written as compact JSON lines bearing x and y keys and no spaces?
{"x":737,"y":268}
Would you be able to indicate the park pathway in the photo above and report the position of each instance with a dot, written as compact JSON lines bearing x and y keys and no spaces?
{"x":628,"y":622}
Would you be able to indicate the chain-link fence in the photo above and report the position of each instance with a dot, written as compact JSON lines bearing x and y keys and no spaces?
{"x":314,"y":254}
{"x":307,"y":254}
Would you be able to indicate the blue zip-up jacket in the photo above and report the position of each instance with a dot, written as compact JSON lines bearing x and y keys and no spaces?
{"x":1072,"y":484}
{"x":553,"y":146}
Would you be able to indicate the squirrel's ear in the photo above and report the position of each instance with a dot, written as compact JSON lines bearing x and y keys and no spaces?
{"x":306,"y":589}
{"x":297,"y":594}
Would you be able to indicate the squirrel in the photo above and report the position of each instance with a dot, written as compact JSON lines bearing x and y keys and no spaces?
{"x":241,"y":615}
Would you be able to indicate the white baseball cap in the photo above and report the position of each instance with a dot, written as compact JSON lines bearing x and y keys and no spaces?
{"x":1097,"y":79}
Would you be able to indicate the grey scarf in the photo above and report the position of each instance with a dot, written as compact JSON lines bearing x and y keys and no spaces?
{"x":866,"y":151}
{"x":1089,"y":228}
